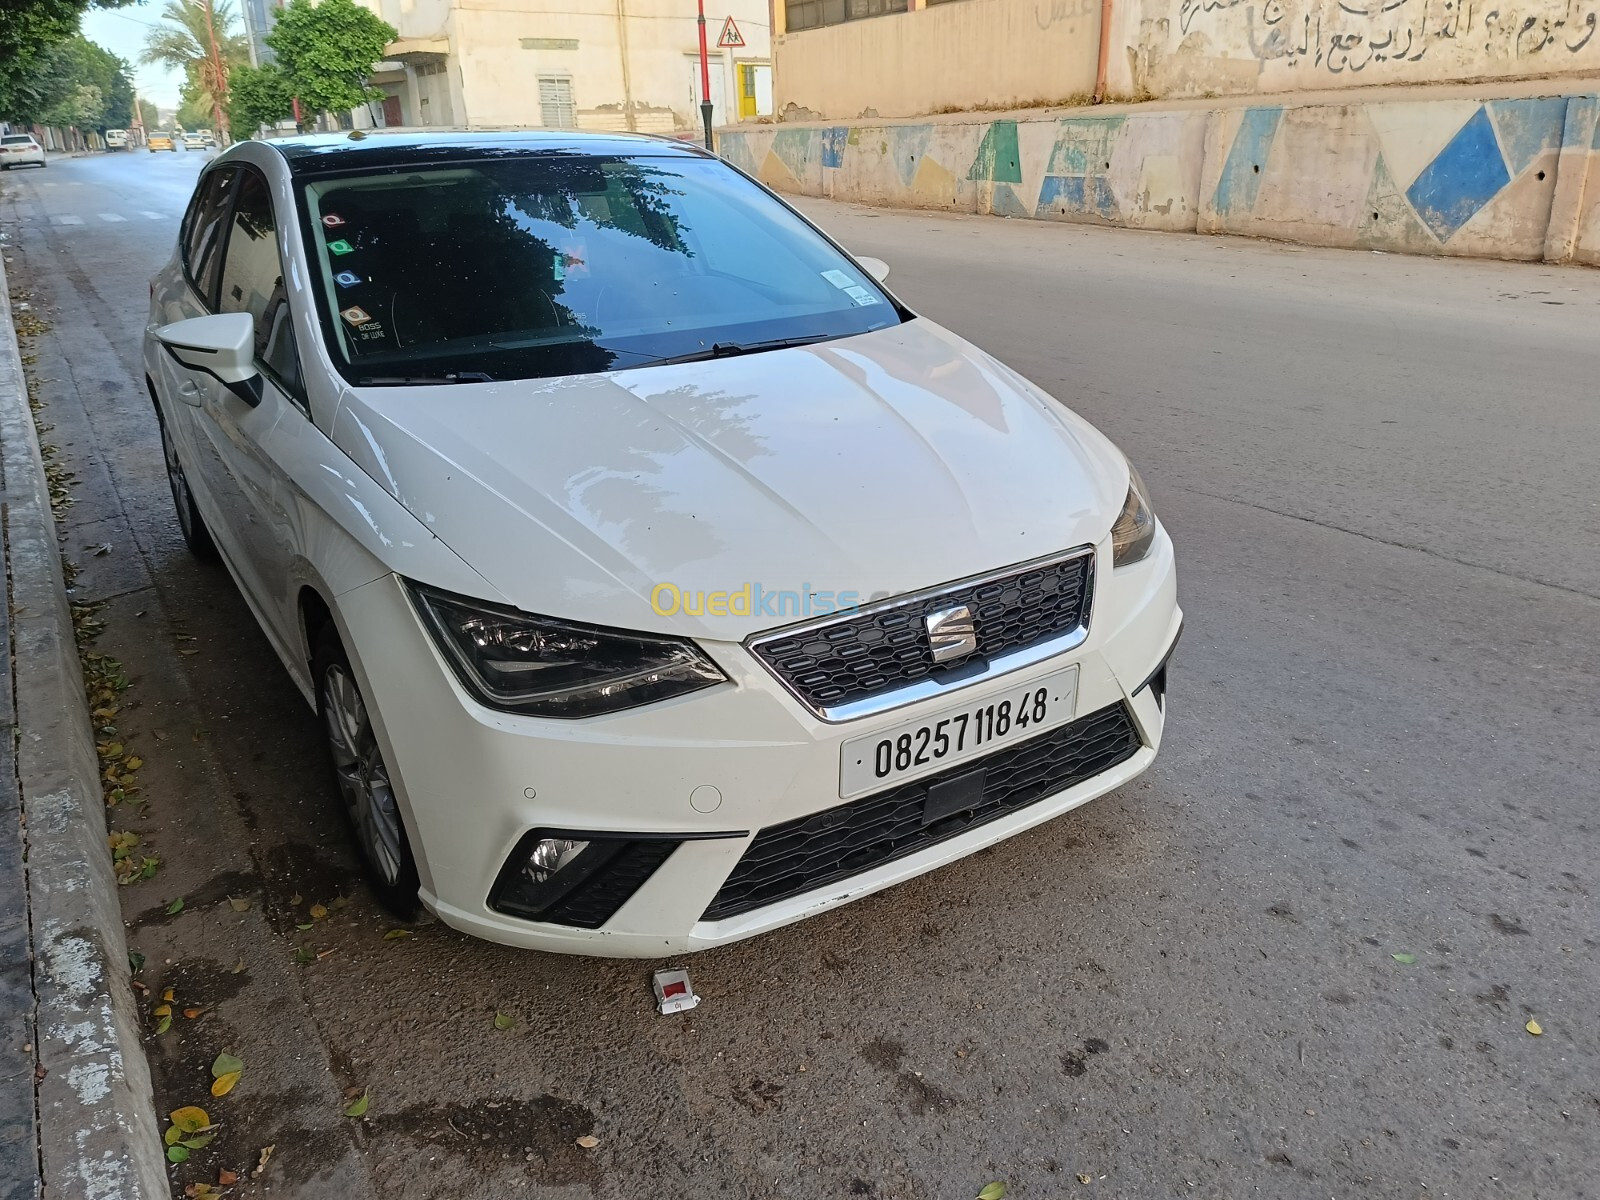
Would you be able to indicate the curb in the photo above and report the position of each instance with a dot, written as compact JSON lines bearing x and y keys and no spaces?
{"x":98,"y":1135}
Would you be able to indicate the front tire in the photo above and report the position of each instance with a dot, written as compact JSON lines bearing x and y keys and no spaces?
{"x":195,"y":534}
{"x":365,"y":786}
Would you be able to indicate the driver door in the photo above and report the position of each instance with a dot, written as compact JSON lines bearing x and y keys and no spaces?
{"x":239,"y":471}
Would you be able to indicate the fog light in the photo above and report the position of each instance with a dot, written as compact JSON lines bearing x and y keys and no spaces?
{"x":568,"y":877}
{"x":549,"y":856}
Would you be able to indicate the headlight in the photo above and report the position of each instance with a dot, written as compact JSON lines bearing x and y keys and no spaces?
{"x":515,"y":661}
{"x":1135,"y":530}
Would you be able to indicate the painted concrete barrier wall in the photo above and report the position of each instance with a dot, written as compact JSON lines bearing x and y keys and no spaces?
{"x":1503,"y":178}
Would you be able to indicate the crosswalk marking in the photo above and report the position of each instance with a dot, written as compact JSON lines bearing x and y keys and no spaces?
{"x":147,"y":214}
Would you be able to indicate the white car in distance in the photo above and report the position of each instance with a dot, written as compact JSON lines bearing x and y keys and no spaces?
{"x":20,"y":150}
{"x":659,"y":577}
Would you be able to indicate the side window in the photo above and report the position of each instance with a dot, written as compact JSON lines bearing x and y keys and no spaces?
{"x":252,"y":280}
{"x":203,"y":230}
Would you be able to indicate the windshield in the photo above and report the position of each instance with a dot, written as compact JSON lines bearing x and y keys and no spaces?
{"x":533,"y":266}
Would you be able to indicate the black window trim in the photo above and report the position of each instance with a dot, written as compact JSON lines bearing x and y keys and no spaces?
{"x":297,"y":396}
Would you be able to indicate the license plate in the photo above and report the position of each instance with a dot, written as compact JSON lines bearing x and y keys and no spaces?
{"x":932,"y":743}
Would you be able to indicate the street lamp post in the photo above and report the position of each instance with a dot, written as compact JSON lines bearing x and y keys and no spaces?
{"x":705,"y":78}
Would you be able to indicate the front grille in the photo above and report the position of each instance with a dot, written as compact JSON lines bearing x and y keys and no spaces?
{"x":798,"y":856}
{"x":884,"y":649}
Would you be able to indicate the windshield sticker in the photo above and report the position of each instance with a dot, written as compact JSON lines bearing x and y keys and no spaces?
{"x":355,"y":315}
{"x":839,"y":279}
{"x":347,"y":279}
{"x":570,"y":262}
{"x":333,"y":221}
{"x":340,"y":247}
{"x":860,"y":297}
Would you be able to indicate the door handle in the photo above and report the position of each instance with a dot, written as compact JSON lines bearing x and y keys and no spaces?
{"x":190,"y":391}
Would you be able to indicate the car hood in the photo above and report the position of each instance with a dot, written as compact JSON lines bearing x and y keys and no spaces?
{"x":877,"y":464}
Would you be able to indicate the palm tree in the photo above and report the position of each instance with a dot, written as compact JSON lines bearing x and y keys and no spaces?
{"x":199,"y":39}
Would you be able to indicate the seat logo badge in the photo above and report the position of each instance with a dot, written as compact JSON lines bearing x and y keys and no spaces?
{"x":951,"y":633}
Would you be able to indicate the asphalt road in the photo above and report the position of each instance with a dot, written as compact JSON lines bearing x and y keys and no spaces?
{"x":1296,"y":959}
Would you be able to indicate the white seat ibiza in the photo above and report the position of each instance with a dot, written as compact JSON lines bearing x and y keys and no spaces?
{"x":660,"y":579}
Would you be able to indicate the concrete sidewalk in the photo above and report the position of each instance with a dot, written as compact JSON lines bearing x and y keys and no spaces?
{"x":76,"y":1115}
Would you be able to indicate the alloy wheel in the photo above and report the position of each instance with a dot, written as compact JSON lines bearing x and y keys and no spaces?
{"x":363,"y":775}
{"x":181,"y":500}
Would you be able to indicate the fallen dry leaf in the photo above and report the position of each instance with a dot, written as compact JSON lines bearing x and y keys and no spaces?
{"x":588,"y":1141}
{"x":318,"y":911}
{"x":261,"y":1163}
{"x":238,"y":904}
{"x":190,"y":1119}
{"x":227,"y":1178}
{"x":223,"y":1084}
{"x":1534,"y":1028}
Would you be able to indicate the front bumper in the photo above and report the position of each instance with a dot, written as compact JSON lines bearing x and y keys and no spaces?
{"x":714,"y":767}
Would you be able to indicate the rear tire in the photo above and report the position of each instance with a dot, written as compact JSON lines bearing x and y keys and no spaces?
{"x":370,"y":805}
{"x":195,"y":534}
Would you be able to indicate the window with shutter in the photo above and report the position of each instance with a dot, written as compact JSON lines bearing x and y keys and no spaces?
{"x":556,"y":107}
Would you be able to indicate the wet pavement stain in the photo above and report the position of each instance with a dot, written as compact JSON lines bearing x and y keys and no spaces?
{"x":922,"y":1097}
{"x":539,"y":1134}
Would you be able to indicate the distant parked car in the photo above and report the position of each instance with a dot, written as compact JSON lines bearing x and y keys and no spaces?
{"x":200,"y":139}
{"x":20,"y":150}
{"x":160,"y":139}
{"x":116,"y":139}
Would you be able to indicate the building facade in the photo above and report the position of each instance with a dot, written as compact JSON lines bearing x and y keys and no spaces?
{"x":620,"y":65}
{"x":845,"y":60}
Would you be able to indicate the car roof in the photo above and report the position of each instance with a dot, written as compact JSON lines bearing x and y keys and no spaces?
{"x":363,"y":148}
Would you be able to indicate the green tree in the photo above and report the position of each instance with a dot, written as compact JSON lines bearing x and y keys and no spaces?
{"x":28,"y":29}
{"x":326,"y":52}
{"x":81,"y":108}
{"x":73,"y":83}
{"x":258,"y":96}
{"x":199,"y":38}
{"x":194,"y":108}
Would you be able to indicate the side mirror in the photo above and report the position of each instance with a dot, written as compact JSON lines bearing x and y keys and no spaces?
{"x":221,"y":345}
{"x":875,"y":267}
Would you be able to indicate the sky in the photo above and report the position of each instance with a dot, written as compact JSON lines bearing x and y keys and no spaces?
{"x":122,"y":31}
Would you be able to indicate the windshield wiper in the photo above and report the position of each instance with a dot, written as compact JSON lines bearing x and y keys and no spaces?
{"x":423,"y":380}
{"x":734,"y":349}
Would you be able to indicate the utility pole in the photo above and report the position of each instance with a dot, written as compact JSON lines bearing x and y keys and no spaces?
{"x":219,"y":77}
{"x":705,"y":78}
{"x":629,"y":120}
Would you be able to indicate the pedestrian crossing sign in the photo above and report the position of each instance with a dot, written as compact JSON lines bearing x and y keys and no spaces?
{"x":731,"y":36}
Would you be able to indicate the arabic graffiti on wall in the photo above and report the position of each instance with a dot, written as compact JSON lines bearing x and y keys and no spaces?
{"x":1392,"y":40}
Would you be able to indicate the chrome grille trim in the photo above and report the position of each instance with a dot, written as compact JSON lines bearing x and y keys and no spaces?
{"x":977,"y":669}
